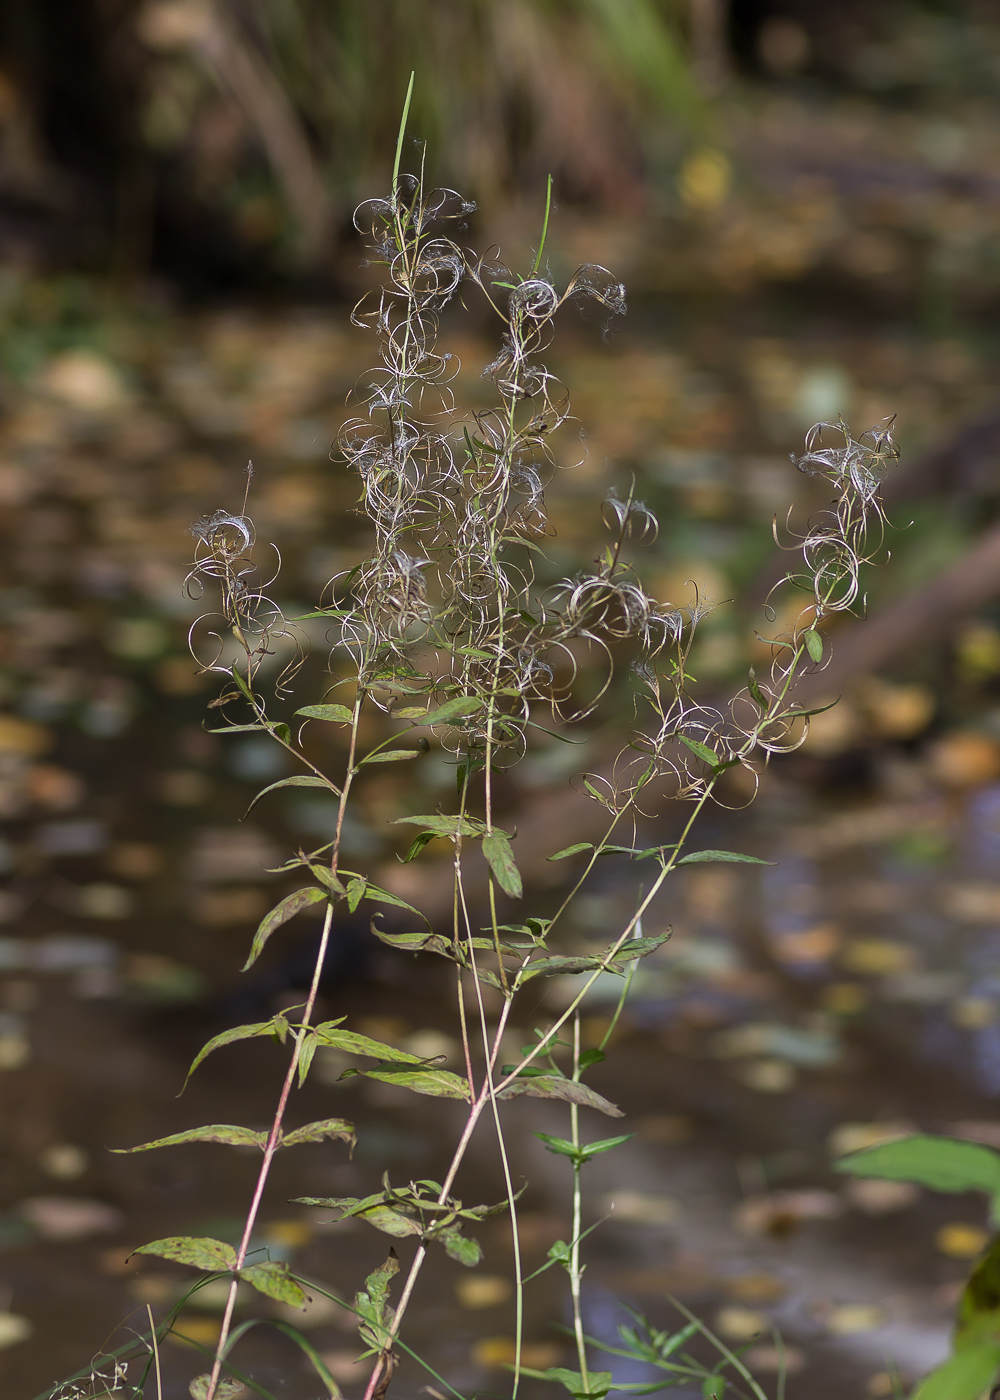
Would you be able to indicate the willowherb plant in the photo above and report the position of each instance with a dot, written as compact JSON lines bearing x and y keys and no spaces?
{"x":448,"y":629}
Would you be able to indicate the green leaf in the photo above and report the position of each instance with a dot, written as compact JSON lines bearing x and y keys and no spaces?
{"x":300,"y":780}
{"x":271,"y":1278}
{"x":291,"y":905}
{"x":572,"y":850}
{"x":564,"y":1148}
{"x":756,"y":694}
{"x":224,"y":1390}
{"x":213,"y":1255}
{"x":276,"y":1027}
{"x":436,"y":1083}
{"x":417,"y":845}
{"x":360,"y":888}
{"x":307,"y":1052}
{"x":460,"y":1247}
{"x":496,"y":849}
{"x":443,"y":825}
{"x":330,"y":1033}
{"x":701,"y":751}
{"x":326,"y":877}
{"x":333,"y":714}
{"x":460,"y":708}
{"x":212,"y":1132}
{"x":389,"y":756}
{"x":596,"y":1386}
{"x":943,"y":1164}
{"x":733,"y":857}
{"x":965,"y":1376}
{"x":641,"y":947}
{"x":371,"y":1304}
{"x":320,"y":1130}
{"x":557,"y":964}
{"x":238,"y":729}
{"x":814,"y":644}
{"x":554,"y":1086}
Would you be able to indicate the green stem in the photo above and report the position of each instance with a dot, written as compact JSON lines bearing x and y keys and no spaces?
{"x":575,"y":1272}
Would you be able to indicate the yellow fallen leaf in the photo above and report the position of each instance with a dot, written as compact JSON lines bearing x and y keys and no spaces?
{"x":499,"y":1351}
{"x":961,"y":1241}
{"x":850,"y":1318}
{"x":740,"y":1324}
{"x":755,"y":1288}
{"x":482,"y":1290}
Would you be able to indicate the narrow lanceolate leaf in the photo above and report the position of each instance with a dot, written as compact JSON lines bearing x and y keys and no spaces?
{"x":307,"y":1053}
{"x":436,"y":1083}
{"x":317,"y":1132}
{"x":640,"y":947}
{"x":291,"y":905}
{"x":277,"y":1027}
{"x":299,"y":780}
{"x":212,"y":1132}
{"x":572,"y":850}
{"x":701,"y":751}
{"x":734,"y":857}
{"x":270,"y":1277}
{"x":814,"y":644}
{"x":213,"y":1255}
{"x":443,"y":825}
{"x":553,"y":1086}
{"x":452,"y":710}
{"x":582,"y":1153}
{"x":333,"y":714}
{"x":326,"y":877}
{"x":496,"y":849}
{"x":389,"y":756}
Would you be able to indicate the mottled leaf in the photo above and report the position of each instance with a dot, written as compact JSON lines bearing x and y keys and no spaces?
{"x":640,"y":947}
{"x":276,"y":1027}
{"x":318,"y":1131}
{"x":355,"y":892}
{"x":460,"y":1247}
{"x":436,"y":1083}
{"x":299,"y":780}
{"x":733,"y":857}
{"x":326,"y":877}
{"x":224,"y":1389}
{"x":212,"y":1132}
{"x":553,"y":1086}
{"x":496,"y":849}
{"x":291,"y":905}
{"x":333,"y":714}
{"x":200,"y":1253}
{"x":442,"y":824}
{"x":271,"y":1278}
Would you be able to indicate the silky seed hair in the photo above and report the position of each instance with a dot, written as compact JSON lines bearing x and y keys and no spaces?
{"x":448,"y":602}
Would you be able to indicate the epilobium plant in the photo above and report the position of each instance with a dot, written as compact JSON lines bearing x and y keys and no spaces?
{"x":446,"y":631}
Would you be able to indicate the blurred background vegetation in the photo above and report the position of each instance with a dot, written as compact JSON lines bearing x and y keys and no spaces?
{"x":803,"y":199}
